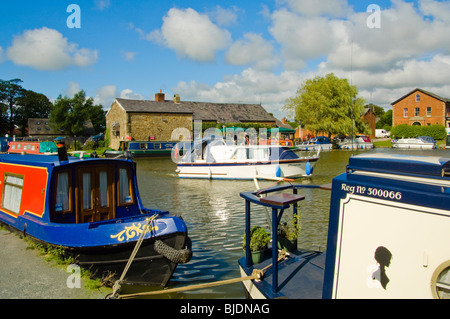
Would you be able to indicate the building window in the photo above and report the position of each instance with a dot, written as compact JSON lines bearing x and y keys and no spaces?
{"x":428,"y":111}
{"x":417,"y":97}
{"x":405,"y":112}
{"x":416,"y":111}
{"x":12,"y":192}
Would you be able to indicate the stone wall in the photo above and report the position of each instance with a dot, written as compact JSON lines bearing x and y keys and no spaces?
{"x":161,"y":126}
{"x":117,"y":133}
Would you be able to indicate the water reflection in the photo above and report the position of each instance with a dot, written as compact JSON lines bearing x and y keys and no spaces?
{"x":214,"y":214}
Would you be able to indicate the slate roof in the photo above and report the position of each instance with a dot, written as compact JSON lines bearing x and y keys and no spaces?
{"x":41,"y":126}
{"x":205,"y":111}
{"x":425,"y":92}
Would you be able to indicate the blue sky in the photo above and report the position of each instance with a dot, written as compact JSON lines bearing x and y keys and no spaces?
{"x":225,"y":51}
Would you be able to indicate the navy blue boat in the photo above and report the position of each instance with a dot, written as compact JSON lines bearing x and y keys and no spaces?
{"x":388,"y":234}
{"x":91,"y":208}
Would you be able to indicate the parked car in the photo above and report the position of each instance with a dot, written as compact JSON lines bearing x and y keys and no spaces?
{"x":380,"y":133}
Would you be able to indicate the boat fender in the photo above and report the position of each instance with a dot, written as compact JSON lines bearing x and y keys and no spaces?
{"x":278,"y":171}
{"x":181,"y":256}
{"x":308,"y":168}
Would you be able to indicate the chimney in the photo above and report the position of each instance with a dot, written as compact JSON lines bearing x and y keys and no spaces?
{"x":176,"y":99}
{"x":160,"y":97}
{"x":284,"y":120}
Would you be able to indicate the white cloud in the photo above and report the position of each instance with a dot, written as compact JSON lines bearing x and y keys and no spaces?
{"x":129,"y":94}
{"x":250,"y":86}
{"x":301,"y":38}
{"x":334,"y":8}
{"x":72,"y":89}
{"x":47,"y":49}
{"x":127,"y":55}
{"x":224,"y":17}
{"x":2,"y":55}
{"x":106,"y":95}
{"x":252,"y":50}
{"x":191,"y":35}
{"x":102,"y":4}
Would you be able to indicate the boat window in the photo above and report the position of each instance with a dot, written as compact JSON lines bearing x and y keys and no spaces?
{"x":103,"y":188}
{"x":63,"y":202}
{"x":87,"y":186}
{"x":143,"y":146}
{"x":12,"y":192}
{"x":440,"y":281}
{"x":124,"y":187}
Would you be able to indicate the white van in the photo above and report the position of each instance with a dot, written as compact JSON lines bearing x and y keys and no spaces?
{"x":381,"y":133}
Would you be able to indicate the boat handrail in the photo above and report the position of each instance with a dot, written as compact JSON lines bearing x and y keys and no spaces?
{"x":278,"y":202}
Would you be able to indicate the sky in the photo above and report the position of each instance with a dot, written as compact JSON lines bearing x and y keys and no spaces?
{"x":225,"y":51}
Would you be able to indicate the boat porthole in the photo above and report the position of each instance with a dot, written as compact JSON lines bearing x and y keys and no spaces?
{"x":440,"y":281}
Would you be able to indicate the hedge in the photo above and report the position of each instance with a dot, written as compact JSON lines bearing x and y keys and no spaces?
{"x":436,"y":131}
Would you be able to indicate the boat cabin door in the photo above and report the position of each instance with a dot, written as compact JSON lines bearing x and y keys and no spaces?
{"x":95,"y":200}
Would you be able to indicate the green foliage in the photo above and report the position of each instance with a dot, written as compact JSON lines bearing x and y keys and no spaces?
{"x":10,"y":92}
{"x":330,"y":105}
{"x":70,"y":114}
{"x":436,"y":131}
{"x":31,"y":105}
{"x":385,"y":121}
{"x":259,"y":238}
{"x":290,"y":230}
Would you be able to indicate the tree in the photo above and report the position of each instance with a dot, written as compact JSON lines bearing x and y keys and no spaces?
{"x":385,"y":121}
{"x":70,"y":114}
{"x":31,"y":105}
{"x":328,"y":105}
{"x":10,"y":91}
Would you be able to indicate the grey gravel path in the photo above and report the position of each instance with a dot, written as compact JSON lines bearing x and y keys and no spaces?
{"x":26,"y":275}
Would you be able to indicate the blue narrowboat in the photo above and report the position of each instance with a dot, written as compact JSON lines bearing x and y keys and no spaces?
{"x":388,"y":234}
{"x":142,"y":149}
{"x":91,"y":208}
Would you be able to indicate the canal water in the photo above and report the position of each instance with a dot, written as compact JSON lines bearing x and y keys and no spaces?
{"x":214,"y":214}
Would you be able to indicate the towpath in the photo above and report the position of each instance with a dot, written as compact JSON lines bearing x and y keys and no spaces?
{"x":26,"y":275}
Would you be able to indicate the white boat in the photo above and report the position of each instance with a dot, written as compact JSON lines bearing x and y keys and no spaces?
{"x":321,"y":143}
{"x":420,"y":142}
{"x":360,"y":143}
{"x":214,"y":158}
{"x":388,"y":234}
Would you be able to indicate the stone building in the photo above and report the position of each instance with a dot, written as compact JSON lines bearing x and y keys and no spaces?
{"x":40,"y":129}
{"x":173,"y":120}
{"x":420,"y":107}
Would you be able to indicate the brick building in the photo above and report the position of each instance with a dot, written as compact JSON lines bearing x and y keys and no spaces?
{"x":420,"y":107}
{"x":173,"y":120}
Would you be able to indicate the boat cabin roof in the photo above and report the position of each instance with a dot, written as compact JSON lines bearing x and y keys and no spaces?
{"x":41,"y":160}
{"x":431,"y":166}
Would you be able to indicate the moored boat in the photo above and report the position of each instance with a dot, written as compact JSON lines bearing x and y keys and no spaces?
{"x":360,"y":143}
{"x":31,"y":147}
{"x":214,"y":158}
{"x":91,"y":208}
{"x":322,"y":143}
{"x":388,"y":218}
{"x":142,"y":149}
{"x":419,"y":143}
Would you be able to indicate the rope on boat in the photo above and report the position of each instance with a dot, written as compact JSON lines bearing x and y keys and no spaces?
{"x":257,"y":274}
{"x":117,"y":284}
{"x":181,"y":256}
